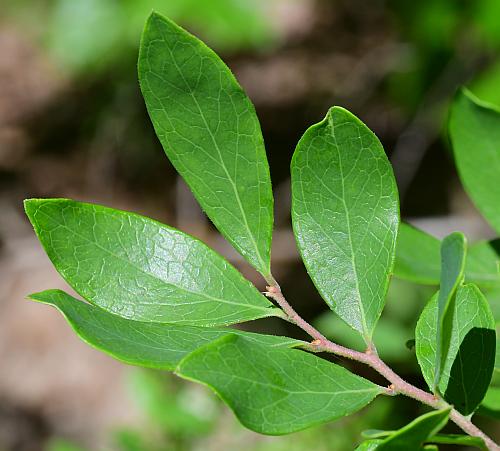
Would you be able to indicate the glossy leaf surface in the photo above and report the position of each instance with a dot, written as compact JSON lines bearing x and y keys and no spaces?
{"x":140,"y":269}
{"x":475,"y":136}
{"x":345,"y":213}
{"x":211,"y":134}
{"x":139,"y":343}
{"x":276,"y":391}
{"x":468,"y":364}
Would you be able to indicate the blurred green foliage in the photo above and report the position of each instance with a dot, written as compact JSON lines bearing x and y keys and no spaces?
{"x":89,"y":35}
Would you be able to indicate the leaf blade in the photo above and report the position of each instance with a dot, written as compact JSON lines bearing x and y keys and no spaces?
{"x":273,"y":391}
{"x":466,"y":373}
{"x":474,"y":132}
{"x":156,"y":273}
{"x":151,"y":345}
{"x":210,"y":133}
{"x":414,"y":434}
{"x":345,"y":212}
{"x":453,"y":252}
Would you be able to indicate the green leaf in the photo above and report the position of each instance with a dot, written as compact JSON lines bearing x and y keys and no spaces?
{"x":211,"y":134}
{"x":482,"y":263}
{"x":453,"y":251}
{"x":451,"y":439}
{"x":345,"y":213}
{"x":416,"y":433}
{"x":276,"y":391}
{"x":369,"y":445}
{"x":417,"y":256}
{"x":468,"y":363}
{"x":457,"y":439}
{"x":140,"y":269}
{"x":475,"y":136}
{"x":491,"y":403}
{"x":151,"y":345}
{"x":418,"y":259}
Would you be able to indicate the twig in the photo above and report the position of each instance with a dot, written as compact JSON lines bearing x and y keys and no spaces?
{"x":398,"y":385}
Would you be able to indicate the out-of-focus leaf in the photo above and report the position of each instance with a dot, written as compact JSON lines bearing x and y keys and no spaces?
{"x":475,"y":136}
{"x":345,"y":213}
{"x":491,"y":403}
{"x":276,"y":391}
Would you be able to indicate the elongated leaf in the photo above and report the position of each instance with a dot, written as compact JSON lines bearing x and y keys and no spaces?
{"x":475,"y":136}
{"x":416,"y":433}
{"x":140,"y":269}
{"x":145,"y":344}
{"x":276,"y":391}
{"x":345,"y":213}
{"x":453,"y":251}
{"x":456,"y":439}
{"x":468,"y":364}
{"x":211,"y":134}
{"x":417,"y":256}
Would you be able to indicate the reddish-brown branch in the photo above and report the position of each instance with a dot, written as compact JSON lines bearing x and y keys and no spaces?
{"x":398,"y":385}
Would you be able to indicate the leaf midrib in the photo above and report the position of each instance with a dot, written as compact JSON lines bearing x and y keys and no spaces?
{"x":182,"y":289}
{"x":215,"y":143}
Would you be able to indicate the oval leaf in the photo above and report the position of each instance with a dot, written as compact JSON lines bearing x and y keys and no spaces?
{"x":140,"y":269}
{"x":276,"y":391}
{"x":468,"y":364}
{"x":139,"y":343}
{"x":345,"y":213}
{"x":475,"y":137}
{"x":211,"y":134}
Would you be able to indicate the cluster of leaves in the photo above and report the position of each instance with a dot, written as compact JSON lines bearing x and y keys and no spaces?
{"x":159,"y":298}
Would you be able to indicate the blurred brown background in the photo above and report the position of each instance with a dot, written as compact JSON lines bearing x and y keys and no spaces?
{"x":73,"y":124}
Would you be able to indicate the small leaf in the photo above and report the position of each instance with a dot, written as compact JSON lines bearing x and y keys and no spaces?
{"x":450,"y":439}
{"x":453,"y":251}
{"x":139,"y":269}
{"x":145,"y":344}
{"x":457,"y":439}
{"x":369,"y":445}
{"x":468,"y":364}
{"x":211,"y":134}
{"x":345,"y":213}
{"x":276,"y":391}
{"x":475,"y":137}
{"x":417,"y":256}
{"x":416,"y":433}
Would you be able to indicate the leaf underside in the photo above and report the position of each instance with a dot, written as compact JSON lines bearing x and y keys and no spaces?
{"x":139,"y":269}
{"x":146,"y":344}
{"x":345,"y":213}
{"x":210,"y":132}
